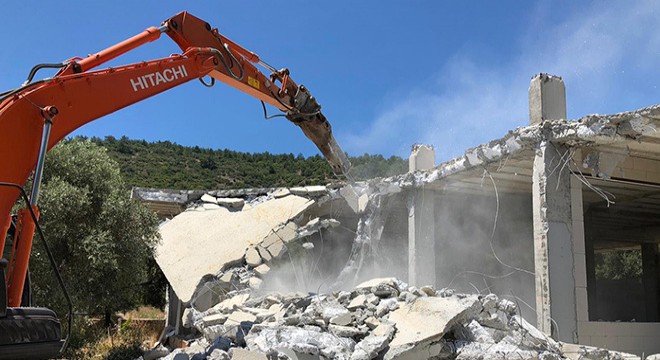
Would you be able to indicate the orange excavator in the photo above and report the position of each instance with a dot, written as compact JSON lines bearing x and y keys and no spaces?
{"x":40,"y":113}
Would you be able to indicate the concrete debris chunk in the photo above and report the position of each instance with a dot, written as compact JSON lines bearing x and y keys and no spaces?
{"x":428,"y":290}
{"x":373,"y":344}
{"x":252,"y":257}
{"x":475,"y":350}
{"x":235,"y":203}
{"x":209,"y":199}
{"x":357,"y":302}
{"x":210,"y":206}
{"x":386,"y":305}
{"x":238,"y":317}
{"x":400,"y":323}
{"x":242,"y":354}
{"x":231,"y":303}
{"x":255,"y":282}
{"x":343,"y":319}
{"x":214,"y":319}
{"x":264,"y":253}
{"x":315,"y":225}
{"x":280,"y":193}
{"x":262,"y":270}
{"x":312,"y":191}
{"x":349,"y":194}
{"x":436,"y":315}
{"x":363,"y":201}
{"x":276,"y":248}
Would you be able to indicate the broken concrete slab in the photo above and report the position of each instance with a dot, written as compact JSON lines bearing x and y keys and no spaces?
{"x":313,"y":191}
{"x":198,"y":244}
{"x":280,"y":193}
{"x":435,"y":315}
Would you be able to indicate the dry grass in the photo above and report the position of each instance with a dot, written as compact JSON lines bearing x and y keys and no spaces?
{"x":144,"y":313}
{"x":126,"y":340}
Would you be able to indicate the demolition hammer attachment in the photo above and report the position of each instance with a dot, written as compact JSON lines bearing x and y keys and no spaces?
{"x":306,"y":113}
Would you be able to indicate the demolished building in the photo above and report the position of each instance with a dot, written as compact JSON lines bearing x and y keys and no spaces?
{"x":531,"y":216}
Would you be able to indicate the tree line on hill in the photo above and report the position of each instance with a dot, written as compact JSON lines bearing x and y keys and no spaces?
{"x":163,"y":164}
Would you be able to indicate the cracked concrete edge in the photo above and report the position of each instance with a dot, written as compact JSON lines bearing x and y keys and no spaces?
{"x":587,"y":131}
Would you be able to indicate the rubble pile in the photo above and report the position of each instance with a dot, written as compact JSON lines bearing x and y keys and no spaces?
{"x":379,"y":319}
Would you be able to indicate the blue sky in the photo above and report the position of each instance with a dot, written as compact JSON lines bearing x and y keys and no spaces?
{"x":387,"y":73}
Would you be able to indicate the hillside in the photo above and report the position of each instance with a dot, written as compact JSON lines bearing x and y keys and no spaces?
{"x":164,"y":164}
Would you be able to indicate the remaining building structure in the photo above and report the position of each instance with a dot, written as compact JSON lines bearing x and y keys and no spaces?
{"x":563,"y":217}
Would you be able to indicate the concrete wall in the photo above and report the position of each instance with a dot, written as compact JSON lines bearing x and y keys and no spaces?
{"x":632,"y":337}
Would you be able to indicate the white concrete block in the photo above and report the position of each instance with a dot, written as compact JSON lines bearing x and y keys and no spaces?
{"x":351,"y":197}
{"x":300,"y":191}
{"x":547,"y":98}
{"x":422,"y":157}
{"x":252,"y":257}
{"x":209,"y":199}
{"x":316,"y":190}
{"x":262,"y":270}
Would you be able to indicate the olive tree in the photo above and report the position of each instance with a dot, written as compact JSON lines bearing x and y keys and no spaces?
{"x":101,"y":239}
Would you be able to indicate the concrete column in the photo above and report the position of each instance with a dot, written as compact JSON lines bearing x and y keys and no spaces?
{"x":547,"y":98}
{"x":552,"y":217}
{"x":421,"y":222}
{"x":579,"y":253}
{"x":173,"y":311}
{"x":422,"y":157}
{"x":590,"y":255}
{"x":553,"y":244}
